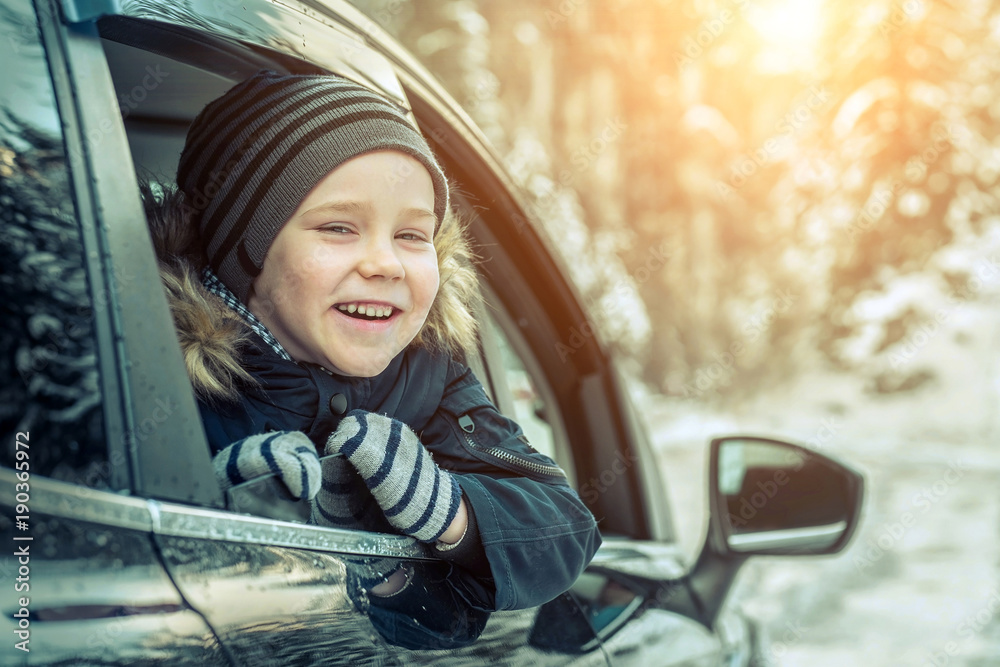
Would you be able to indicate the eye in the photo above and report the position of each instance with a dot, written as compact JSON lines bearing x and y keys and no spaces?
{"x":336,"y":228}
{"x":412,"y":236}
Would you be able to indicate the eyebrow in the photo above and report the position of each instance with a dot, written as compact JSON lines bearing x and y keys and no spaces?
{"x":363,"y":208}
{"x":354,"y":207}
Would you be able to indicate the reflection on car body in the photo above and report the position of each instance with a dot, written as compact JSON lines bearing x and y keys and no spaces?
{"x":135,"y":555}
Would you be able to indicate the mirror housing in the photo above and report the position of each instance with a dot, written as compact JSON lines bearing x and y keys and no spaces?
{"x":769,"y":497}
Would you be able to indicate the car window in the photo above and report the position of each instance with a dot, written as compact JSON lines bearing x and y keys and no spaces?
{"x":50,"y":389}
{"x":161,"y":91}
{"x":531,"y":401}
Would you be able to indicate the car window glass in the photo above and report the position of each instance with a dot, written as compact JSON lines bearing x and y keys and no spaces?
{"x":50,"y":386}
{"x":534,"y":405}
{"x":529,"y":406}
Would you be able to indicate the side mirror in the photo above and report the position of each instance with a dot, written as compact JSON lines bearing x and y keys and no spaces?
{"x":768,"y":497}
{"x":775,"y":498}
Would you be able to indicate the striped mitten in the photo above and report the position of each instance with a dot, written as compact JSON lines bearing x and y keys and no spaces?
{"x":416,"y":496}
{"x":344,"y":501}
{"x":290,"y":455}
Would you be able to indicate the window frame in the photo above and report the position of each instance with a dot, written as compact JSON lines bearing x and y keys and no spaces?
{"x":95,"y":467}
{"x":589,"y":395}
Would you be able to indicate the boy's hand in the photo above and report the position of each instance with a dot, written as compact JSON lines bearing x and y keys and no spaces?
{"x":344,"y":501}
{"x":289,"y":454}
{"x":417,"y":497}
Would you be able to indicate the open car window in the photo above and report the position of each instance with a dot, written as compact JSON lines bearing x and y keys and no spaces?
{"x":161,"y":86}
{"x":162,"y":82}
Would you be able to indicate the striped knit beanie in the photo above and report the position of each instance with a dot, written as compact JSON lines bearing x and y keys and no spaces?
{"x":252,"y":156}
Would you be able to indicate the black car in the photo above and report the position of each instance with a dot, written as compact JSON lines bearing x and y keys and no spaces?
{"x":119,"y":546}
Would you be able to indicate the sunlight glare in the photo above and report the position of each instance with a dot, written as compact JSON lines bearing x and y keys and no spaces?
{"x":789,"y":30}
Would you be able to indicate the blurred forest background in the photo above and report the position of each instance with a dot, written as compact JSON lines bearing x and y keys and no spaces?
{"x":765,"y":175}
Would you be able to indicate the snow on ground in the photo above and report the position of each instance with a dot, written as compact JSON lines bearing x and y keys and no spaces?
{"x":927,"y":593}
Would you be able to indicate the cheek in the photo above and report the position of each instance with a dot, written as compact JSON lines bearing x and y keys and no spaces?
{"x":266,"y":298}
{"x":279,"y":285}
{"x":293,"y":274}
{"x":428,"y":283}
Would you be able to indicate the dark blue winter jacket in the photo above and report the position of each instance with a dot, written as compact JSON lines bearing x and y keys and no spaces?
{"x":536,"y":533}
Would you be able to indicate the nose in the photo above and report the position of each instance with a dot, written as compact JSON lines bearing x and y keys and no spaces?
{"x":380,"y":260}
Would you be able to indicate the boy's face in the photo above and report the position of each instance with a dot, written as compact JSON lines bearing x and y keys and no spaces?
{"x":361,"y":241}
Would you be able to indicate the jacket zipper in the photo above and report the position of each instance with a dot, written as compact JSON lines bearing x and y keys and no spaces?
{"x":505,"y":455}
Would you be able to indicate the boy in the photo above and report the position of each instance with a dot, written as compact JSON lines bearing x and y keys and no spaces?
{"x":322,"y":307}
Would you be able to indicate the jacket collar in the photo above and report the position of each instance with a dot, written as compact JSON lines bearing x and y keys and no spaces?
{"x":315,"y":399}
{"x":215,"y":285}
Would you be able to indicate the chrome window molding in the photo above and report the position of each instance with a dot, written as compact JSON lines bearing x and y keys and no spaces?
{"x":81,"y":503}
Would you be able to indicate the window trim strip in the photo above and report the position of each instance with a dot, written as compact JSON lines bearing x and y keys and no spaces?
{"x":81,"y":503}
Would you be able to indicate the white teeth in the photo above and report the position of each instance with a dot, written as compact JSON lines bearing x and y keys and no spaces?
{"x":369,"y":311}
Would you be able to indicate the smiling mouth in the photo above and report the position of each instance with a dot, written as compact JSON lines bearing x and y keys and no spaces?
{"x":368,"y":312}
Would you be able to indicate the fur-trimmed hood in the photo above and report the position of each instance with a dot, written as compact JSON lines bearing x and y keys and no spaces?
{"x":211,"y":335}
